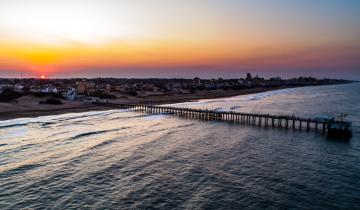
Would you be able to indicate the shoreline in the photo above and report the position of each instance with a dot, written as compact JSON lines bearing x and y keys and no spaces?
{"x":11,"y":111}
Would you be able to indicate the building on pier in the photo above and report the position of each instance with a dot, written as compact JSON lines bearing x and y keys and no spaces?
{"x":340,"y":127}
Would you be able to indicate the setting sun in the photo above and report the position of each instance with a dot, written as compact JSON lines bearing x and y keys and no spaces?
{"x":42,"y":77}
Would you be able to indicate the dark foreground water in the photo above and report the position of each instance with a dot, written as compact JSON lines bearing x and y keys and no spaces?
{"x":125,"y":160}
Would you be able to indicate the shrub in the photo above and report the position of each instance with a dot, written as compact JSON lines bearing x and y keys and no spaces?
{"x":9,"y":95}
{"x":102,"y":95}
{"x":133,"y":93}
{"x":42,"y":95}
{"x":51,"y":101}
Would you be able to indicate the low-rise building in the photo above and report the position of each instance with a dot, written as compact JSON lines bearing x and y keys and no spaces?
{"x":196,"y":81}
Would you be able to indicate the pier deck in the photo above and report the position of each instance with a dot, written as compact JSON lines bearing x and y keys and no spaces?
{"x":266,"y":120}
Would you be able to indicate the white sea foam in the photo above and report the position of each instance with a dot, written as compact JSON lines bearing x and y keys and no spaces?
{"x":50,"y":118}
{"x":248,"y":97}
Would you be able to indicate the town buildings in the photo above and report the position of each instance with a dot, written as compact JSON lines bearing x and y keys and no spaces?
{"x":104,"y":87}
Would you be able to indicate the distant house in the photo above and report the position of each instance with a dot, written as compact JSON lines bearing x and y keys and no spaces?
{"x":276,"y":81}
{"x":122,"y":87}
{"x":148,"y":87}
{"x":109,"y":87}
{"x":71,"y":94}
{"x":3,"y":87}
{"x":197,"y":81}
{"x":81,"y":87}
{"x":241,"y":81}
{"x":248,"y":77}
{"x":84,"y":87}
{"x":18,"y":88}
{"x":249,"y":83}
{"x":91,"y":87}
{"x":49,"y":89}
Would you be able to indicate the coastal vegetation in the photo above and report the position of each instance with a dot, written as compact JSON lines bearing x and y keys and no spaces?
{"x":101,"y":95}
{"x":51,"y":101}
{"x":9,"y":95}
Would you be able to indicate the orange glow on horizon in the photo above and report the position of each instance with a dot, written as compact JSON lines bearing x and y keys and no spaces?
{"x":72,"y":58}
{"x":61,"y":37}
{"x":158,"y":53}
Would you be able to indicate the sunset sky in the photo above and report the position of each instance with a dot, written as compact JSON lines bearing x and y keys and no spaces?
{"x":183,"y":38}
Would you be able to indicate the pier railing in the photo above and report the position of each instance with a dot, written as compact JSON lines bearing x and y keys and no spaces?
{"x":266,"y":120}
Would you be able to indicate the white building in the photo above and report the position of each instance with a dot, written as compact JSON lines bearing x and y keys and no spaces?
{"x":71,"y":94}
{"x":49,"y":89}
{"x":18,"y":88}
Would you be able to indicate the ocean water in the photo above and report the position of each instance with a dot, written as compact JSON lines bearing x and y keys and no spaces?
{"x":125,"y":160}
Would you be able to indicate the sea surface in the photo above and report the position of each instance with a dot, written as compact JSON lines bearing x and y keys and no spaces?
{"x":125,"y":160}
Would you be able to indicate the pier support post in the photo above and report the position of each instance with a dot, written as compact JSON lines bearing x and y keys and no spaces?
{"x":293,"y":123}
{"x":308,"y":125}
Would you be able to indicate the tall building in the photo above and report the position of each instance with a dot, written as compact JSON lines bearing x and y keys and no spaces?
{"x":248,"y":76}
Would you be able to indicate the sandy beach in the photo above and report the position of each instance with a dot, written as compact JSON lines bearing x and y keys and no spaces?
{"x":28,"y":106}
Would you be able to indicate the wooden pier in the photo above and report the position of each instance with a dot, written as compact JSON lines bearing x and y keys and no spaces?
{"x":265,"y":120}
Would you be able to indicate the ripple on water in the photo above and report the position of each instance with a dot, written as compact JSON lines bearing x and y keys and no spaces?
{"x":125,"y":160}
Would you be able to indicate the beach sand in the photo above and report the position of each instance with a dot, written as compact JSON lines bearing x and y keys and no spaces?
{"x":28,"y":106}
